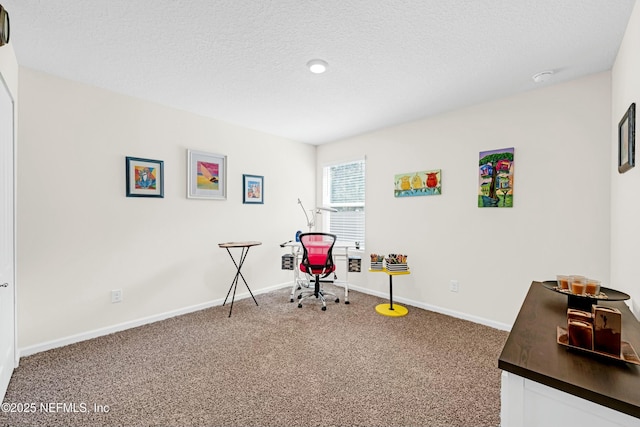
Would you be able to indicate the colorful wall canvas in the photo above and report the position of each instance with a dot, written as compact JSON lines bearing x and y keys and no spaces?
{"x":495,"y":174}
{"x":423,"y":183}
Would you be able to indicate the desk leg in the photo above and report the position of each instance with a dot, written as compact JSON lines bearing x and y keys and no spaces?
{"x":234,"y":283}
{"x":346,"y":277}
{"x":298,"y":282}
{"x":346,"y":293}
{"x":294,"y":287}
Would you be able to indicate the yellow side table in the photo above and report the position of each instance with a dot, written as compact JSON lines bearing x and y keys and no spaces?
{"x":390,"y":309}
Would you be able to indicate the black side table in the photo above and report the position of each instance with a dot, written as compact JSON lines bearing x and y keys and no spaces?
{"x":234,"y":284}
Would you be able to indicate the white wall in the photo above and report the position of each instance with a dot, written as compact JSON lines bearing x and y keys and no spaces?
{"x":79,"y":237}
{"x":560,"y":220}
{"x":625,"y":188}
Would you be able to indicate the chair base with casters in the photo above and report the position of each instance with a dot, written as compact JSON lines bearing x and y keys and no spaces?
{"x":317,"y":292}
{"x":317,"y":261}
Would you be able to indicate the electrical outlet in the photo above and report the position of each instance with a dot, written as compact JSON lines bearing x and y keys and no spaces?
{"x":116,"y":295}
{"x":454,"y":286}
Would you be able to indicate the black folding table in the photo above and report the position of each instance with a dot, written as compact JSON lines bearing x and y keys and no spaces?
{"x":234,"y":285}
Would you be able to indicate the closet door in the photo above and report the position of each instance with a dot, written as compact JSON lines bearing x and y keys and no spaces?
{"x":7,"y":240}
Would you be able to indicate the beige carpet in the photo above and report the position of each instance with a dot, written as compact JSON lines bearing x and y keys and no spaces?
{"x":272,"y":365}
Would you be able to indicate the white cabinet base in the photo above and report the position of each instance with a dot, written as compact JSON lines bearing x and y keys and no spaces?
{"x":526,"y":403}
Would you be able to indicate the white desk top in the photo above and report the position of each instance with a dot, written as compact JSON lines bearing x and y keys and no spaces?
{"x":336,"y":245}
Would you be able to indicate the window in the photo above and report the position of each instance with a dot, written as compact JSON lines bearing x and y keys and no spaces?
{"x":343,"y":190}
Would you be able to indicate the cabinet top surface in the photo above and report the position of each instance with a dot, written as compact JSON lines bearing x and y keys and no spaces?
{"x":531,"y":351}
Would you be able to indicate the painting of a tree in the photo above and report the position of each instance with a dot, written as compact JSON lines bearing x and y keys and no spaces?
{"x":496,"y":178}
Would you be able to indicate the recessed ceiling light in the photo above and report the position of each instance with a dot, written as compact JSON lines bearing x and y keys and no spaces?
{"x":542,"y":77}
{"x":317,"y":66}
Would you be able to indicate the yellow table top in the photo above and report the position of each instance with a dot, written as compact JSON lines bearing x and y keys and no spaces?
{"x":391,"y":273}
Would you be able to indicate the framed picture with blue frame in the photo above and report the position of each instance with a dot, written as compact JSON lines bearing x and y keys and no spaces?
{"x":144,"y":177}
{"x":252,"y":189}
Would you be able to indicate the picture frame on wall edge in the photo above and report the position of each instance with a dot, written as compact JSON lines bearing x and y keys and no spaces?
{"x":252,"y":189}
{"x":144,"y":177}
{"x":206,"y":175}
{"x":626,"y":140}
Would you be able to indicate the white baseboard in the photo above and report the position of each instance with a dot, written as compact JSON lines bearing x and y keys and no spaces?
{"x":436,"y":309}
{"x":72,"y":339}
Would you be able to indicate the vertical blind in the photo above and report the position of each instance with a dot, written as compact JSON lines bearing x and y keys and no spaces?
{"x":344,"y":191}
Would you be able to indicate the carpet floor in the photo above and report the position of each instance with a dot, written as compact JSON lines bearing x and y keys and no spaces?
{"x":269,"y":365}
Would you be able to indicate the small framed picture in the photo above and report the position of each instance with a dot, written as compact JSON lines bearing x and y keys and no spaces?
{"x":627,"y":140}
{"x":206,"y":175}
{"x":252,"y":189}
{"x":145,"y":177}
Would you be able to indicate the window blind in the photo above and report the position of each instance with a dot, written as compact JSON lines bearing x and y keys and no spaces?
{"x":344,"y":190}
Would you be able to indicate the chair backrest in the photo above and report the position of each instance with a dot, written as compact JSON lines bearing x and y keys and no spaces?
{"x":317,"y":257}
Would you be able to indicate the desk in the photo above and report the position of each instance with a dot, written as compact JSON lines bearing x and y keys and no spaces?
{"x":340,"y":250}
{"x":545,"y":384}
{"x":390,"y":309}
{"x":234,"y":284}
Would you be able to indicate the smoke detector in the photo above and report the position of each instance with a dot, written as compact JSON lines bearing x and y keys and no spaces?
{"x":542,"y":77}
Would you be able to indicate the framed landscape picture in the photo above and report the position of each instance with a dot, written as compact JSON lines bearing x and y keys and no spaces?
{"x":144,"y":177}
{"x":206,"y":175}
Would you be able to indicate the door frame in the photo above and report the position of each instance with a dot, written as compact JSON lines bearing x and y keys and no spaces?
{"x":14,"y":148}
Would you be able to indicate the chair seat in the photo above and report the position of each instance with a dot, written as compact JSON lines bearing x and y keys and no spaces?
{"x":321,"y":269}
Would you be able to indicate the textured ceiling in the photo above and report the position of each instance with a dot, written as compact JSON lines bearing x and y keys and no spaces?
{"x":244,"y":61}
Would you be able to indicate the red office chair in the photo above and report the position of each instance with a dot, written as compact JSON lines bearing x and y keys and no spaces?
{"x":317,"y":260}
